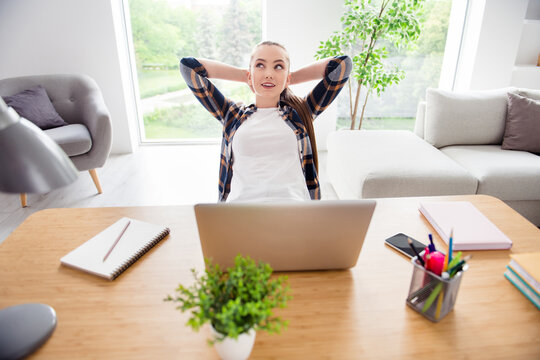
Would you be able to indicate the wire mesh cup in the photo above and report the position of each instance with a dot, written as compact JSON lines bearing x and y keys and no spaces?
{"x":430,"y":294}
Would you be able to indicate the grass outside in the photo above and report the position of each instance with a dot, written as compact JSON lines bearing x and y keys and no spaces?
{"x":156,"y":82}
{"x":193,"y":122}
{"x":186,"y":121}
{"x":210,"y":128}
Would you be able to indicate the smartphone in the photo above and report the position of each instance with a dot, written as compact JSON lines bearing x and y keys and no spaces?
{"x":399,"y":242}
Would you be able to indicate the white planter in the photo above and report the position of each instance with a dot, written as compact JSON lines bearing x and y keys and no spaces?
{"x":231,"y":349}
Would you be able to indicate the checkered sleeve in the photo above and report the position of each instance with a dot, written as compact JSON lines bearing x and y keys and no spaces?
{"x":209,"y":96}
{"x":336,"y":75}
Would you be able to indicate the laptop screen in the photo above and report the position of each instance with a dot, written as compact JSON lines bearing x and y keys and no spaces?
{"x":290,"y":236}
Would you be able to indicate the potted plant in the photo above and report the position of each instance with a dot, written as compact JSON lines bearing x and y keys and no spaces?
{"x":236,"y":303}
{"x":369,"y":25}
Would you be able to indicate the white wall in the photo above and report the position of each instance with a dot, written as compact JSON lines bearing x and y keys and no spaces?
{"x":66,"y":36}
{"x":498,"y":43}
{"x":526,"y":70}
{"x":300,"y":25}
{"x":490,"y":44}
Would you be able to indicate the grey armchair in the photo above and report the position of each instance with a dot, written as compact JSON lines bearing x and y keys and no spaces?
{"x":78,"y":100}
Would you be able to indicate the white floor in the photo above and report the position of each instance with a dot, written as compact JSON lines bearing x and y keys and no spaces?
{"x":154,"y":175}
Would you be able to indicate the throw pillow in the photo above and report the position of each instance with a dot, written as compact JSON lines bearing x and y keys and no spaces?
{"x":464,"y":118}
{"x":522,"y":130}
{"x":34,"y":105}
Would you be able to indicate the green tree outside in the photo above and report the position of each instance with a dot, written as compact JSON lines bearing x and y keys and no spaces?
{"x":396,"y":108}
{"x":164,"y":33}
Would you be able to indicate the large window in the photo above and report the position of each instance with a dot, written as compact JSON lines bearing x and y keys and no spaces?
{"x":396,"y":107}
{"x":164,"y":31}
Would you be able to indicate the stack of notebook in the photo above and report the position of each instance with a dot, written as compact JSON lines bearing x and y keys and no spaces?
{"x":524,"y":272}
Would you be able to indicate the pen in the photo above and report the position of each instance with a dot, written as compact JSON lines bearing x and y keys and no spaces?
{"x":432,"y":296}
{"x":459,"y":266}
{"x":439,"y":304}
{"x":416,"y":252}
{"x":431,"y":244}
{"x":444,"y":269}
{"x":116,"y":241}
{"x":450,"y":245}
{"x":455,"y":260}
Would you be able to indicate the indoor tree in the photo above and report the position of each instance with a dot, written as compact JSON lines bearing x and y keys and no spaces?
{"x":368,"y":27}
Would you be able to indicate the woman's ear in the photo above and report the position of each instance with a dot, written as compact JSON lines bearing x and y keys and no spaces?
{"x":289,"y":77}
{"x":249,"y":80}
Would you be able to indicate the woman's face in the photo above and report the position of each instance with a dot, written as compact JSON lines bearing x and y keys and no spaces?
{"x":269,"y":74}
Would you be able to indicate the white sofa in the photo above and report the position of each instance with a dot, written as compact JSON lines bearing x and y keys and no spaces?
{"x":455,"y":149}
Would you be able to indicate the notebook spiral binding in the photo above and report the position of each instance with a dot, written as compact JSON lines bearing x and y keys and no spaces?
{"x":140,"y":253}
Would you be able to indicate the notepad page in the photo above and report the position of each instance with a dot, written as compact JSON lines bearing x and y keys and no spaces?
{"x":89,"y":256}
{"x":472,"y":230}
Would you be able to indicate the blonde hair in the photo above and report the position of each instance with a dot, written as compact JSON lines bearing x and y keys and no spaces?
{"x":269,"y":43}
{"x":296,"y":102}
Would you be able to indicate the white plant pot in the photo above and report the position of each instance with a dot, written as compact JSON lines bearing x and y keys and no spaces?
{"x":231,"y":349}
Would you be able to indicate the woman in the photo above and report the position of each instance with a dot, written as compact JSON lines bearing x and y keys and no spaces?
{"x":268,"y":149}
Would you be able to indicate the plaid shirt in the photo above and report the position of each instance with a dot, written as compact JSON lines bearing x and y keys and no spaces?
{"x":232,"y":115}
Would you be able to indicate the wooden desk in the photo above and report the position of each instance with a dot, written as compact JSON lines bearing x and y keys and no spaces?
{"x":358,"y":313}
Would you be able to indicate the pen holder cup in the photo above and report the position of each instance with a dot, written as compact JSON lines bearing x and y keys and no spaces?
{"x":430,"y":294}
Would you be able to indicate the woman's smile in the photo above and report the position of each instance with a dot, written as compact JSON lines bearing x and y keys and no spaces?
{"x":268,"y":85}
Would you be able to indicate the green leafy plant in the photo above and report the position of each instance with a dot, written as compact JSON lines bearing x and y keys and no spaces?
{"x":234,"y":301}
{"x":368,"y":27}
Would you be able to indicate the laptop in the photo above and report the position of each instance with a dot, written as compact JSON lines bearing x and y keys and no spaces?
{"x":290,"y":236}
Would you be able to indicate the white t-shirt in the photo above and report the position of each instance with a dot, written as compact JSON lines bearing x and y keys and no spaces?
{"x":266,"y":160}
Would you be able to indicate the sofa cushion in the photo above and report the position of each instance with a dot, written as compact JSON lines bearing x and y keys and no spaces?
{"x":529,"y":93}
{"x":522,"y":130}
{"x":470,"y":118}
{"x":34,"y":105}
{"x":506,"y":174}
{"x":74,"y":139}
{"x":420,"y":119}
{"x":392,"y":163}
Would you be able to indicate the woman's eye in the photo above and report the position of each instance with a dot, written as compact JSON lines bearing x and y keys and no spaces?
{"x":279,"y":67}
{"x":259,"y":65}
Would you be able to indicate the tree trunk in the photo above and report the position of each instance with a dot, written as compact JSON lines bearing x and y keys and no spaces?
{"x":353,"y":120}
{"x":372,"y":42}
{"x":350,"y":99}
{"x":363,"y":109}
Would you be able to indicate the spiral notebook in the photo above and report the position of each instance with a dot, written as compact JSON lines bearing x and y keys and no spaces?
{"x":135,"y":241}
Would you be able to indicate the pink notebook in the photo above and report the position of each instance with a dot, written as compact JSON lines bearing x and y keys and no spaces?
{"x":472,"y":230}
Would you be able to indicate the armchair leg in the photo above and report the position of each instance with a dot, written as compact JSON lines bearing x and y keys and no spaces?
{"x":23,"y":200}
{"x":94,"y":176}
